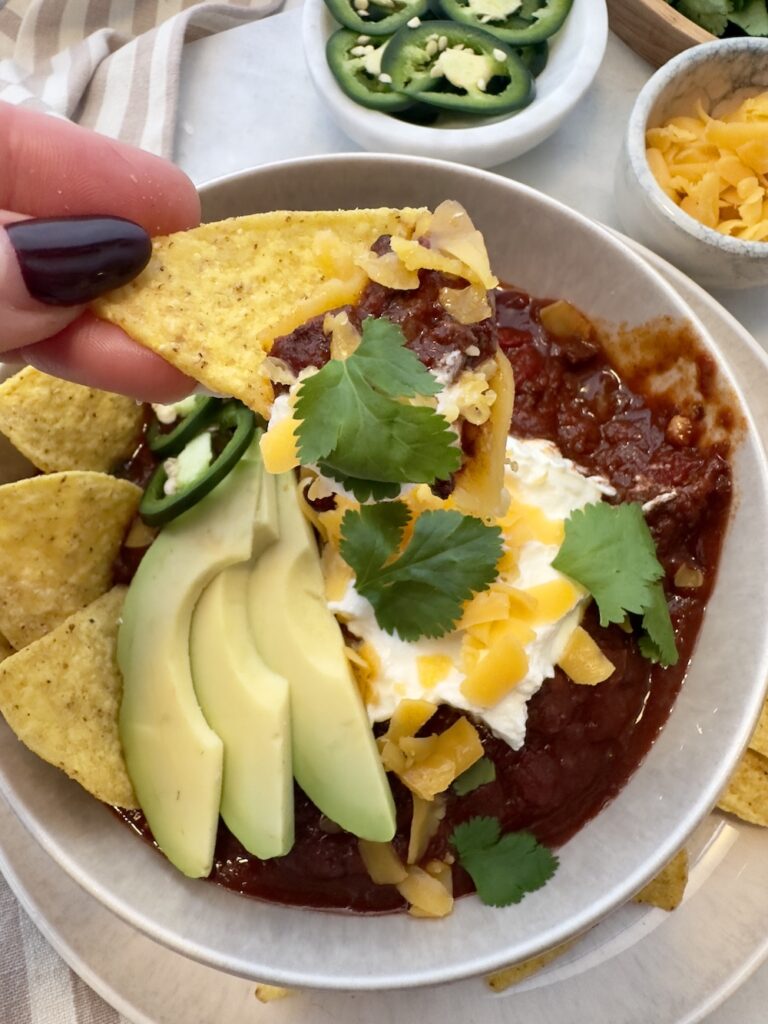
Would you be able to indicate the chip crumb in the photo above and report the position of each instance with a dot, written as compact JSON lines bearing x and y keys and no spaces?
{"x":746,"y":795}
{"x":508,"y":976}
{"x":269,"y":993}
{"x":665,"y":891}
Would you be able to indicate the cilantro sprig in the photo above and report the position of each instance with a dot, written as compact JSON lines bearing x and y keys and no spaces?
{"x":503,"y":867}
{"x":356,"y":426}
{"x":751,"y":16}
{"x":609,"y":550}
{"x":420,"y":592}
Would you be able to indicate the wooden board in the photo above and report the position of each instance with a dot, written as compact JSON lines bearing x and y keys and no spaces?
{"x":654,"y":29}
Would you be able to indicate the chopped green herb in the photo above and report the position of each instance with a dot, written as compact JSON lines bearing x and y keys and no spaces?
{"x":421,"y":592}
{"x":476,"y":775}
{"x":354,"y":422}
{"x":750,"y":16}
{"x":609,"y":550}
{"x":503,"y":868}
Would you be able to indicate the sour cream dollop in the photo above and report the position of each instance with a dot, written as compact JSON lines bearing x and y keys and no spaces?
{"x":538,"y":476}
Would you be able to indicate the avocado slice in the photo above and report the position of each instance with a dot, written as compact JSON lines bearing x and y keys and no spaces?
{"x":174,"y":759}
{"x":335,"y":759}
{"x":245,"y":702}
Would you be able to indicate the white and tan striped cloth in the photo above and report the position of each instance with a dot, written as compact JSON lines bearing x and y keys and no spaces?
{"x":111,"y":65}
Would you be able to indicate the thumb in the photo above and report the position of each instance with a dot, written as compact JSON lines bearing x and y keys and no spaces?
{"x":49,"y":269}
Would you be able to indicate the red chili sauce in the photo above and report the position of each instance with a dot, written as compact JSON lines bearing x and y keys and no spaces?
{"x":582,"y":742}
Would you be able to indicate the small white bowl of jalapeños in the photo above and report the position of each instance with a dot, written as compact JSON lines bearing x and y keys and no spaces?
{"x":475,"y":81}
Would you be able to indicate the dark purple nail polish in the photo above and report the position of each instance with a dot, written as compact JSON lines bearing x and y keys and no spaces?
{"x":66,"y":261}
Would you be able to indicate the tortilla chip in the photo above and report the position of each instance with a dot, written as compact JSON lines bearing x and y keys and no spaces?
{"x":479,"y":489}
{"x":507,"y":976}
{"x":666,"y":889}
{"x":212,"y":300}
{"x":59,"y":537}
{"x":61,"y":696}
{"x":59,"y":426}
{"x":6,"y":650}
{"x":747,"y":792}
{"x":759,"y":741}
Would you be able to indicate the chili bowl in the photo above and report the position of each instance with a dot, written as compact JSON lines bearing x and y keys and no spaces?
{"x":712,"y":72}
{"x":576,"y":53}
{"x":615,"y":853}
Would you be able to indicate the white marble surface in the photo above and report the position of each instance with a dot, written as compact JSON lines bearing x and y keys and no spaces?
{"x":247,"y":99}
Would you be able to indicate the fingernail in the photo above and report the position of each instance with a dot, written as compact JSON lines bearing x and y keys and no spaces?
{"x":66,"y":261}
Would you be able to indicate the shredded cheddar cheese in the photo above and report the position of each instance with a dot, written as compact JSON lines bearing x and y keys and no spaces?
{"x":716,"y":169}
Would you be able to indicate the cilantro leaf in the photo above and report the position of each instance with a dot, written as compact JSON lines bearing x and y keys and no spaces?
{"x":711,"y":15}
{"x":503,"y":868}
{"x":363,"y":490}
{"x":752,"y":17}
{"x":421,"y":592}
{"x":658,"y":641}
{"x":610,"y":551}
{"x":353,"y":422}
{"x":476,"y":775}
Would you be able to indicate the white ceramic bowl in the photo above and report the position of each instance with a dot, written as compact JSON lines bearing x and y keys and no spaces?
{"x":576,"y":53}
{"x":548,"y":250}
{"x":711,"y":72}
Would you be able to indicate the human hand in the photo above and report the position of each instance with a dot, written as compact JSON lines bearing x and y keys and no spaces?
{"x":50,"y":268}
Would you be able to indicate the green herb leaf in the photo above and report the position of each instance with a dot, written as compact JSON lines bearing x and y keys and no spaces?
{"x":711,"y":15}
{"x":353,"y":421}
{"x":658,"y":641}
{"x":752,"y":17}
{"x":609,"y":550}
{"x":420,"y":593}
{"x":503,"y":868}
{"x":476,"y":775}
{"x":363,"y":490}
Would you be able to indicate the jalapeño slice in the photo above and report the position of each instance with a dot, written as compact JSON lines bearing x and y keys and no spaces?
{"x":234,"y":425}
{"x":170,"y":442}
{"x":534,"y":57}
{"x":355,"y":61}
{"x":457,"y":67}
{"x":516,"y":22}
{"x":376,"y":17}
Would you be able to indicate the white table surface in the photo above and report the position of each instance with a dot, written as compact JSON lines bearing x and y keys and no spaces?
{"x":247,"y":99}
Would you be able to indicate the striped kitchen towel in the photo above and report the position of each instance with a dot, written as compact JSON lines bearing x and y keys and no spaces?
{"x":111,"y":65}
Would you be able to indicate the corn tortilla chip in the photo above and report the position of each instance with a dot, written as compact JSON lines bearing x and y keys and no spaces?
{"x":747,"y":792}
{"x":508,"y":976}
{"x":59,"y":537}
{"x":667,"y":888}
{"x":759,"y":741}
{"x":61,"y":696}
{"x":58,"y":425}
{"x":212,"y":300}
{"x":6,"y":650}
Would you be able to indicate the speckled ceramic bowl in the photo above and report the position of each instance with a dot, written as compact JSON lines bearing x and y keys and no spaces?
{"x":711,"y":72}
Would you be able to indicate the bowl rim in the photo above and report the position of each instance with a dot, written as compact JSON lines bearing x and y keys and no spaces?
{"x":480,"y":962}
{"x":636,"y":148}
{"x":317,"y":24}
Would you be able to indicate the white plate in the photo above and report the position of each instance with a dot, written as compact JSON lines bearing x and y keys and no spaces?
{"x":639,"y":965}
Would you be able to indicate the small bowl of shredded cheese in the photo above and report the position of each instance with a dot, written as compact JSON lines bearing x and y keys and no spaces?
{"x":692,"y":181}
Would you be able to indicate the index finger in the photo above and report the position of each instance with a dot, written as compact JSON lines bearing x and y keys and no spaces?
{"x":52,"y":168}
